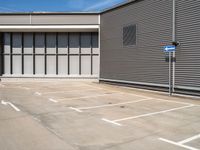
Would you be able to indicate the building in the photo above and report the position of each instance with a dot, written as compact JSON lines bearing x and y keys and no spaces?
{"x":49,"y":44}
{"x":127,"y":38}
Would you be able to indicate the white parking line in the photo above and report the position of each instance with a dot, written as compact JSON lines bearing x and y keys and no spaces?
{"x":111,"y":105}
{"x":21,"y":87}
{"x":170,"y":101}
{"x":135,"y":95}
{"x":75,"y":109}
{"x":35,"y":118}
{"x":38,"y":93}
{"x":190,"y":139}
{"x":53,"y":100}
{"x":84,"y":97}
{"x":109,"y":121}
{"x":178,"y":144}
{"x":54,"y":92}
{"x":154,"y":113}
{"x":66,"y":91}
{"x":99,"y":95}
{"x":9,"y":103}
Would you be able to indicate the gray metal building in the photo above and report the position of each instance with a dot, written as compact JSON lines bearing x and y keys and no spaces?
{"x":132,"y":37}
{"x":129,"y":38}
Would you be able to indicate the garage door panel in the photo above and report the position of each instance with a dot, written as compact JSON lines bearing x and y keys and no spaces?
{"x":6,"y":64}
{"x":74,"y":65}
{"x":39,"y":65}
{"x":62,"y":65}
{"x":17,"y":64}
{"x":28,"y":43}
{"x":7,"y":43}
{"x":74,"y":43}
{"x":62,"y":43}
{"x":95,"y":44}
{"x":95,"y":66}
{"x":28,"y":65}
{"x":39,"y":43}
{"x":51,"y":43}
{"x":85,"y":65}
{"x":51,"y":65}
{"x":85,"y":43}
{"x":17,"y":43}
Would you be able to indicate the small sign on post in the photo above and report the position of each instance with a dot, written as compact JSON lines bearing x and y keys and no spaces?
{"x":169,"y":48}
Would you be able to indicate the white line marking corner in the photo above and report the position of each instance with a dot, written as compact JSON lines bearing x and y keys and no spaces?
{"x":178,"y":144}
{"x":78,"y":110}
{"x":9,"y":103}
{"x":112,"y":122}
{"x":53,"y":100}
{"x":38,"y":93}
{"x":189,"y":139}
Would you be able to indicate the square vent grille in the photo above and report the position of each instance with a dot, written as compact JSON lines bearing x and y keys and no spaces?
{"x":129,"y":35}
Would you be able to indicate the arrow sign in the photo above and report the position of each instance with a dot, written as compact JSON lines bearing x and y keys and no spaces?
{"x":169,"y":48}
{"x":9,"y":103}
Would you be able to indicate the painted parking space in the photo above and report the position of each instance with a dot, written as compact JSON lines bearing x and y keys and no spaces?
{"x":183,"y":143}
{"x":119,"y":112}
{"x":100,"y":114}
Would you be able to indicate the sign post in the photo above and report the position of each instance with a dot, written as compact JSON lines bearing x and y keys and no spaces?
{"x":170,"y":49}
{"x":170,"y":73}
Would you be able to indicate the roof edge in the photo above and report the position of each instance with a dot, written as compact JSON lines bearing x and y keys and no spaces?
{"x":49,"y":13}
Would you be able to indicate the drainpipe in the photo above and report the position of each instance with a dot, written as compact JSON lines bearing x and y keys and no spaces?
{"x":99,"y":43}
{"x":174,"y":40}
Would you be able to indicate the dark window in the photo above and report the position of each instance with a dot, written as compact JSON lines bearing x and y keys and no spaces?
{"x":129,"y":35}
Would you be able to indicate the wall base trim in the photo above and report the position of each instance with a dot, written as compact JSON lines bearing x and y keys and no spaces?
{"x":136,"y":83}
{"x":158,"y":87}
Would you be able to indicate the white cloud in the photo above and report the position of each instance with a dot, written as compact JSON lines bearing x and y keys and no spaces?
{"x":100,"y":5}
{"x":8,"y":9}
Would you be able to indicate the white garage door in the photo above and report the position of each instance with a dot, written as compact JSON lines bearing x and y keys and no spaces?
{"x":51,"y":54}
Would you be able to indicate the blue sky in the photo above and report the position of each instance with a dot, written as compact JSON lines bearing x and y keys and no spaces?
{"x":56,"y":5}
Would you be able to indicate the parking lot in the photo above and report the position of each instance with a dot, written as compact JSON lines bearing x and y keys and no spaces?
{"x":86,"y":115}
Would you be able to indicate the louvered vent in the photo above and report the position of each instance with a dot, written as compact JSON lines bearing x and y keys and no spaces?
{"x":129,"y":35}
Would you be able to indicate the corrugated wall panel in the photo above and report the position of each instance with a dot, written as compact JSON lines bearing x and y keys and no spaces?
{"x":144,"y":62}
{"x":188,"y":54}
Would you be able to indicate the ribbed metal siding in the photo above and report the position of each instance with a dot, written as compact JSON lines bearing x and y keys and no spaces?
{"x":144,"y":62}
{"x":188,"y":54}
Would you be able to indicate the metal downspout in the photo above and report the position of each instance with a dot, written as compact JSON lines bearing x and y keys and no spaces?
{"x":174,"y":40}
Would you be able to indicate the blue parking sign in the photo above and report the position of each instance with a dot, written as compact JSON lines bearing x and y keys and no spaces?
{"x":169,"y":48}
